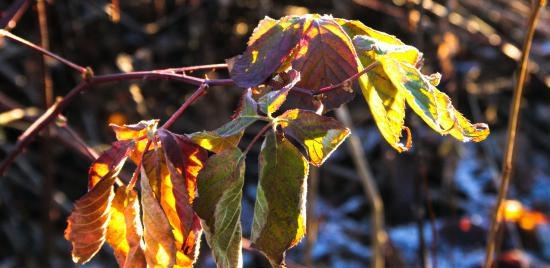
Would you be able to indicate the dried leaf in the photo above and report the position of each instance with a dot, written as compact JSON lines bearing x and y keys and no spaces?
{"x":87,"y":224}
{"x":272,"y":101}
{"x":279,"y":214}
{"x":219,"y":205}
{"x":319,"y":135}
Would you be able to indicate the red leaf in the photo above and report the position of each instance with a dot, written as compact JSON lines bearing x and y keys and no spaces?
{"x":108,"y":160}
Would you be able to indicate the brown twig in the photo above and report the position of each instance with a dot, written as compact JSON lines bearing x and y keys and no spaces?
{"x":257,"y":137}
{"x":511,"y":139}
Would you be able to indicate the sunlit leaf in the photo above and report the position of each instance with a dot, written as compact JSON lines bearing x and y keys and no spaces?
{"x":108,"y":160}
{"x":272,"y":101}
{"x":214,"y":142}
{"x":139,"y":132}
{"x":279,"y":213}
{"x":219,"y":205}
{"x":267,"y":49}
{"x":319,"y":135}
{"x":184,"y":159}
{"x":87,"y":224}
{"x":124,"y":231}
{"x":160,"y":245}
{"x":314,"y":45}
{"x":245,"y":116}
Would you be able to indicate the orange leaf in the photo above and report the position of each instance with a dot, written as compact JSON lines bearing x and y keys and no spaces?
{"x":107,"y":160}
{"x":124,"y":231}
{"x":140,"y":133}
{"x":87,"y":224}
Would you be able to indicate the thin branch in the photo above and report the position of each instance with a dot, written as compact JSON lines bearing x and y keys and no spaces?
{"x":511,"y":139}
{"x":196,"y":95}
{"x":13,"y":14}
{"x":20,"y":40}
{"x":52,"y":113}
{"x":257,"y":137}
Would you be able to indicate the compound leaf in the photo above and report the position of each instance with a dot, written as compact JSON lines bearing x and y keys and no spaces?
{"x":319,"y":135}
{"x":219,"y":205}
{"x":279,"y":213}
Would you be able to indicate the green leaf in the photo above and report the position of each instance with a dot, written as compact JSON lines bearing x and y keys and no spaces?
{"x":214,"y":142}
{"x":218,"y":205}
{"x":319,"y":135}
{"x":396,"y":79}
{"x":279,"y":214}
{"x":272,"y":101}
{"x":245,"y":116}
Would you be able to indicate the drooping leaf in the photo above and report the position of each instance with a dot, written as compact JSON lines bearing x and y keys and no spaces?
{"x":87,"y":224}
{"x":245,"y":116}
{"x":319,"y":135}
{"x":272,"y":101}
{"x":314,"y":45}
{"x":184,"y":160}
{"x":219,"y":205}
{"x":140,"y":133}
{"x":213,"y":142}
{"x":160,"y":245}
{"x":270,"y":44}
{"x":108,"y":160}
{"x":407,"y":82}
{"x":124,"y":231}
{"x":279,"y":214}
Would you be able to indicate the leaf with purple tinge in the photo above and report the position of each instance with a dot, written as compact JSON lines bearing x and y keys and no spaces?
{"x":272,"y":101}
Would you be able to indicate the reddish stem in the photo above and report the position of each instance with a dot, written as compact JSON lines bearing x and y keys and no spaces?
{"x":20,"y":40}
{"x":257,"y":137}
{"x":45,"y":119}
{"x":350,"y":79}
{"x":196,"y":95}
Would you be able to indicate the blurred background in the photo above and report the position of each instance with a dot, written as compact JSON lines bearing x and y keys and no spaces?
{"x":437,"y":197}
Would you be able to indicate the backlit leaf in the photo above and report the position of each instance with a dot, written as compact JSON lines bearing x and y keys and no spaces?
{"x":124,"y":231}
{"x":272,"y":101}
{"x":184,"y":160}
{"x":245,"y":116}
{"x":219,"y":205}
{"x":279,"y":214}
{"x":419,"y":91}
{"x":108,"y":160}
{"x":87,"y":224}
{"x":160,"y":245}
{"x":319,"y":135}
{"x":140,"y":133}
{"x":213,"y":142}
{"x":314,"y":45}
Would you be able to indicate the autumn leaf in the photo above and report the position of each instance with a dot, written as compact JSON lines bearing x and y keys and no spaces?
{"x":183,"y":159}
{"x":140,"y":133}
{"x":314,"y":45}
{"x":272,"y":101}
{"x":245,"y":116}
{"x":124,"y":231}
{"x":87,"y":224}
{"x":214,"y":142}
{"x":279,"y":213}
{"x":219,"y":205}
{"x":397,"y":79}
{"x":319,"y":135}
{"x":160,"y":245}
{"x":108,"y":160}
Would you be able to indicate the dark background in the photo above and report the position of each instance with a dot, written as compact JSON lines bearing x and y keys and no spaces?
{"x":437,"y":197}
